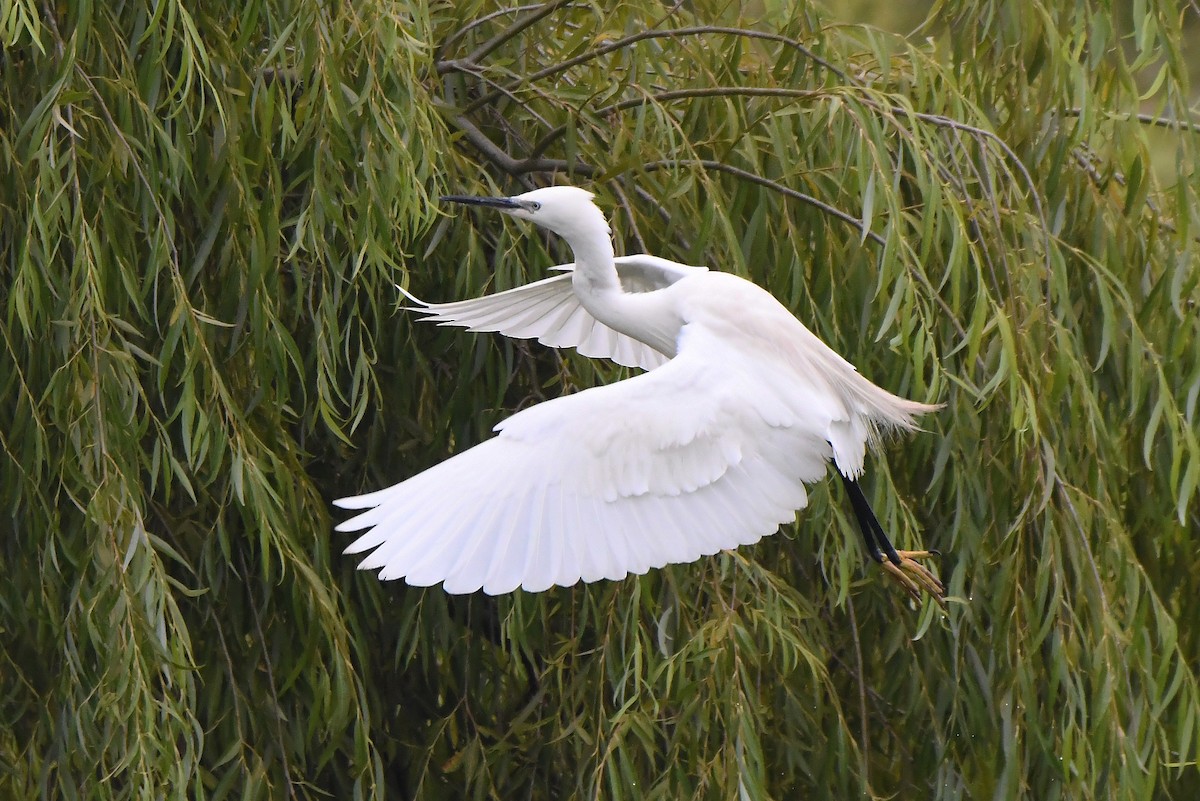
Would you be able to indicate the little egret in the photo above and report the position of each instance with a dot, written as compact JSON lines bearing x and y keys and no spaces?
{"x":710,"y":449}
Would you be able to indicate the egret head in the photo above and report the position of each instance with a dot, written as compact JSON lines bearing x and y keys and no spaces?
{"x":565,"y":210}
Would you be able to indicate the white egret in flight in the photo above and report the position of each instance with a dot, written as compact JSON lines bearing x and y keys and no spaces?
{"x":741,"y":405}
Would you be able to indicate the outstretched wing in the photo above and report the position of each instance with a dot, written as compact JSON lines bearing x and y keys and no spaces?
{"x":550,"y":312}
{"x":661,"y":468}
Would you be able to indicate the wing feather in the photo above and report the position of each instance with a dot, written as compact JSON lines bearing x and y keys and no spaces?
{"x":601,"y":343}
{"x":467,"y":571}
{"x":525,"y":530}
{"x":543,"y":557}
{"x":610,"y":553}
{"x":549,"y":311}
{"x":514,"y":315}
{"x":550,"y":318}
{"x":427,"y":566}
{"x":661,"y":468}
{"x":572,"y":330}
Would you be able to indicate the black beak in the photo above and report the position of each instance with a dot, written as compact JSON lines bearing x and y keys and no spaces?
{"x":503,"y":203}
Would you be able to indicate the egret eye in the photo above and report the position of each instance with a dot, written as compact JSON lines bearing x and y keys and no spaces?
{"x":534,"y":205}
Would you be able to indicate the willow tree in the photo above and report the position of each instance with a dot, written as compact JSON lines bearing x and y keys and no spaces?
{"x":205,"y":208}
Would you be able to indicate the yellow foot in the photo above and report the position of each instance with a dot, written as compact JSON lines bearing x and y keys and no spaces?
{"x":914,"y":577}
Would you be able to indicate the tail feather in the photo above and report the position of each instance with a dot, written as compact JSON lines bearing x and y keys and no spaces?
{"x":885,"y":413}
{"x":879,"y":413}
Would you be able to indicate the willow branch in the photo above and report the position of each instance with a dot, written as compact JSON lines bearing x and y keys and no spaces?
{"x":499,"y":157}
{"x":481,"y":74}
{"x":1084,"y":158}
{"x":1145,"y":119}
{"x":982,"y":133}
{"x":754,"y":178}
{"x":679,"y":94}
{"x":513,"y":30}
{"x":712,"y":91}
{"x":619,"y":44}
{"x":862,"y":694}
{"x":276,"y":708}
{"x":630,"y":217}
{"x":475,"y":23}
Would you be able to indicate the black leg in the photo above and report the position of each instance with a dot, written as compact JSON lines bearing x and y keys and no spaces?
{"x":878,"y":544}
{"x":912,"y":575}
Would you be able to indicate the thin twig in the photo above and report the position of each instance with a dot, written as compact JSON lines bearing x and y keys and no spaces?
{"x":671,"y":12}
{"x":701,"y":30}
{"x":1083,"y":539}
{"x":862,"y":692}
{"x":679,"y":94}
{"x":235,"y":688}
{"x":513,"y":30}
{"x":655,"y":203}
{"x":746,"y":175}
{"x":475,"y":23}
{"x":984,"y":179}
{"x":1084,"y":157}
{"x":479,"y":73}
{"x":102,"y":456}
{"x":1145,"y":119}
{"x":712,"y":91}
{"x":510,"y":165}
{"x":948,"y":122}
{"x":627,"y":207}
{"x":276,"y":711}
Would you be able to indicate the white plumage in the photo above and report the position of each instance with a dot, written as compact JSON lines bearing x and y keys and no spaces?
{"x":550,"y":311}
{"x":710,"y":449}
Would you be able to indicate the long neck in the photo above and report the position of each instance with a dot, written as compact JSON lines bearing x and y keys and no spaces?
{"x":595,"y":270}
{"x":598,"y":288}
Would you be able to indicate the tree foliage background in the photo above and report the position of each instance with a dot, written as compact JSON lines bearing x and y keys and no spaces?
{"x":204,"y":208}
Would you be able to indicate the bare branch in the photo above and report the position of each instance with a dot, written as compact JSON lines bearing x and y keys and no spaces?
{"x":276,"y":708}
{"x":479,"y":72}
{"x":1085,"y":159}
